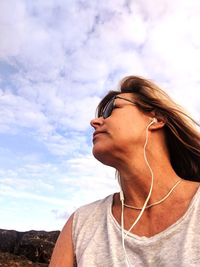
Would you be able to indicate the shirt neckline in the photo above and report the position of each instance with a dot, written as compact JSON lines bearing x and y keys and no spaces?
{"x":165,"y":232}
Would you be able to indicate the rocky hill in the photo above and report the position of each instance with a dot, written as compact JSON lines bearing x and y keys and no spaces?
{"x":24,"y":249}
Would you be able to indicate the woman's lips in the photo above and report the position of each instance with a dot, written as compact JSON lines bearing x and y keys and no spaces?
{"x":96,"y":133}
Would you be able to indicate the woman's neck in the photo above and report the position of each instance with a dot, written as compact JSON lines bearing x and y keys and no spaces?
{"x":136,"y":179}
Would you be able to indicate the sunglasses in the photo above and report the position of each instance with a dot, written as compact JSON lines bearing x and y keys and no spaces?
{"x":107,"y":110}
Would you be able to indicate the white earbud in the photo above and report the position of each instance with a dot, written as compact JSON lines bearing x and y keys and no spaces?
{"x":154,"y":120}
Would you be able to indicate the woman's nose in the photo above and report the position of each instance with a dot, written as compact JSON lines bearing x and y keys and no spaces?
{"x":96,"y":122}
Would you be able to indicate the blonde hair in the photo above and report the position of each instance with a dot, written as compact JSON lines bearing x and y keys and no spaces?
{"x":182,"y":132}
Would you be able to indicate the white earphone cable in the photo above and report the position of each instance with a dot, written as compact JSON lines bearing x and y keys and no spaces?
{"x":124,"y":235}
{"x":152,"y":181}
{"x":123,"y":238}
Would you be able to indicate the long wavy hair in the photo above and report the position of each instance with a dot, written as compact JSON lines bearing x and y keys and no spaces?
{"x":182,"y":131}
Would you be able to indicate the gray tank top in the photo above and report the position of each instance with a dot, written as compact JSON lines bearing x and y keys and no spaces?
{"x":97,"y":239}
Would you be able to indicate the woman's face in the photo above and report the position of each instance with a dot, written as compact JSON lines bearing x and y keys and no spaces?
{"x":121,"y":134}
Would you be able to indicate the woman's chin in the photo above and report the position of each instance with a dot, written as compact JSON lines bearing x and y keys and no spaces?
{"x":103,"y":155}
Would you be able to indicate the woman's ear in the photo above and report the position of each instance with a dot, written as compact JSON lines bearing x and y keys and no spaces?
{"x":158,"y":121}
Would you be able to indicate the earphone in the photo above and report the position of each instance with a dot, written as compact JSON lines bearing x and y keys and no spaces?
{"x":154,"y":120}
{"x":124,"y":235}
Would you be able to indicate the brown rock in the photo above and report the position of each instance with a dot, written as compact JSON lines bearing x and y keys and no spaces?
{"x":8,"y":240}
{"x":11,"y":260}
{"x":31,"y":246}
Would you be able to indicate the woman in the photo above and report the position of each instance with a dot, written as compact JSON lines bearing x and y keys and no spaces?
{"x":154,"y":220}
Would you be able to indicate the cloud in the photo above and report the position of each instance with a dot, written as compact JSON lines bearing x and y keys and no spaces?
{"x":100,"y":55}
{"x":54,"y":126}
{"x":12,"y":31}
{"x":61,"y":146}
{"x":61,"y":188}
{"x":88,"y":179}
{"x":78,"y":174}
{"x":17,"y":112}
{"x":7,"y":191}
{"x":28,"y":178}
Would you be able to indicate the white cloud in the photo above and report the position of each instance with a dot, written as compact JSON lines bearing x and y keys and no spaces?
{"x":12,"y":27}
{"x":7,"y":191}
{"x":17,"y":112}
{"x":89,"y":179}
{"x":64,"y":187}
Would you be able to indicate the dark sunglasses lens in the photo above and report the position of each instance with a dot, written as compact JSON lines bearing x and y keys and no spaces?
{"x":108,"y":109}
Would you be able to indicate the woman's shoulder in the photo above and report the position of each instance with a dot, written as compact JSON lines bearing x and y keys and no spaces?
{"x":95,"y":207}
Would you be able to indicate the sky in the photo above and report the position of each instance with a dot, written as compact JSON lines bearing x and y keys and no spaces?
{"x":58,"y":58}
